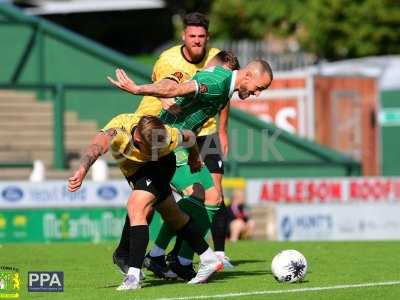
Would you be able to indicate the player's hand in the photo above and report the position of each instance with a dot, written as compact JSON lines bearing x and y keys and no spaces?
{"x":224,"y":141}
{"x":194,"y":162}
{"x":75,"y":181}
{"x":123,"y":82}
{"x":170,"y":105}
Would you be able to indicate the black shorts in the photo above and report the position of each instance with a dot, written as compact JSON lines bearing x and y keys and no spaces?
{"x":155,"y":177}
{"x":210,"y":151}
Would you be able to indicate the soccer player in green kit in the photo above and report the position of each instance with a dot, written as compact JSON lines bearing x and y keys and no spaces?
{"x":199,"y":99}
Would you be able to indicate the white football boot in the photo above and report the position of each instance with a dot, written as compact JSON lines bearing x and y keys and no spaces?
{"x":226,"y":261}
{"x":130,"y":283}
{"x":206,"y":269}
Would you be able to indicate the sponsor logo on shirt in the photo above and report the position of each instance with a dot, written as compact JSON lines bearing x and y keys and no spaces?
{"x":203,"y":89}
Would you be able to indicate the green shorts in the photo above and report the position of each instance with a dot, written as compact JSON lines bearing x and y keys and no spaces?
{"x":183,"y":178}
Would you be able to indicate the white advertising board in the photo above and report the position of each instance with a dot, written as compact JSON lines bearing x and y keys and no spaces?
{"x":357,"y":221}
{"x":55,"y":194}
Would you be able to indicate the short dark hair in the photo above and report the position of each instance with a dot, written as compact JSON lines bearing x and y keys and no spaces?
{"x":195,"y":19}
{"x":228,"y":58}
{"x":266,"y":67}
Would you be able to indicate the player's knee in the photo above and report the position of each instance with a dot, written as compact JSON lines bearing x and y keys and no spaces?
{"x":213,"y":197}
{"x":138,"y":212}
{"x":137,"y":217}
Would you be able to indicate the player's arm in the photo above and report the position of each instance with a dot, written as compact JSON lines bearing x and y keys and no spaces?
{"x":98,"y":146}
{"x":162,"y":89}
{"x":194,"y":160}
{"x":223,"y":129}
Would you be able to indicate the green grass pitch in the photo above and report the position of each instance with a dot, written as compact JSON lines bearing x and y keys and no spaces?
{"x":90,"y":274}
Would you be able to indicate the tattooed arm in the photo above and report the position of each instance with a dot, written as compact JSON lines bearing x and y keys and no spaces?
{"x":98,"y":147}
{"x":163,"y":89}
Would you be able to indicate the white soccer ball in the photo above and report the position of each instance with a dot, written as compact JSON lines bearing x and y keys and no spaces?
{"x":289,"y":266}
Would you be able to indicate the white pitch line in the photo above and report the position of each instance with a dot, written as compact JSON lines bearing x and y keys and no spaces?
{"x":312,"y":289}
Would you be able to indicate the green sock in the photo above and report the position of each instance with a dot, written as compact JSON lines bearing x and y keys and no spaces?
{"x":208,"y":212}
{"x":164,"y":236}
{"x":211,"y":211}
{"x":192,"y":207}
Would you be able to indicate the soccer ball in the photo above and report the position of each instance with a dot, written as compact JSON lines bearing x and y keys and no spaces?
{"x":289,"y":266}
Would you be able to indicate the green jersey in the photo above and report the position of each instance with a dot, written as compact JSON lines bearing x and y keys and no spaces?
{"x":215,"y":87}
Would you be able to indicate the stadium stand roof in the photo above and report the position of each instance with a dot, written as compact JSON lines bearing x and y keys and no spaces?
{"x":44,"y":7}
{"x":385,"y":68}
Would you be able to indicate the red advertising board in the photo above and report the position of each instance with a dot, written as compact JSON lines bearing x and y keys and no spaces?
{"x":282,"y":112}
{"x":284,"y":104}
{"x":332,"y":190}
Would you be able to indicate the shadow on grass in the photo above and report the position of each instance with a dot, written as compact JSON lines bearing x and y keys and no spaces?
{"x":234,"y":274}
{"x":239,"y":262}
{"x":220,"y":276}
{"x":112,"y":286}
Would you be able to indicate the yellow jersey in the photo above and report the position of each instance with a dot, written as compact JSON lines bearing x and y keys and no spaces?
{"x":173,"y":65}
{"x":129,"y":158}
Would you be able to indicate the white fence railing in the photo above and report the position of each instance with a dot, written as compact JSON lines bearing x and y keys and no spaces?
{"x":247,"y":50}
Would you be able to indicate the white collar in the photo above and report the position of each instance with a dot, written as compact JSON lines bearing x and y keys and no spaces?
{"x":232,"y":86}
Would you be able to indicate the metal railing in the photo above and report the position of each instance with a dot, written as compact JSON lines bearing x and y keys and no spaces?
{"x":247,"y":50}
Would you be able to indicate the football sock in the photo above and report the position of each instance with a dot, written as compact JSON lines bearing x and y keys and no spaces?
{"x":177,"y":246}
{"x":220,"y":253}
{"x":135,"y":272}
{"x":156,"y":251}
{"x":210,"y":210}
{"x":192,"y":207}
{"x":208,"y":256}
{"x":123,"y":247}
{"x":219,"y":227}
{"x":138,"y":240}
{"x":184,"y":261}
{"x":164,"y":236}
{"x":193,"y":237}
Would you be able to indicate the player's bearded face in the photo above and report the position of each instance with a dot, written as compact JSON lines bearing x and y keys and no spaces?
{"x":243,"y":92}
{"x":195,"y":39}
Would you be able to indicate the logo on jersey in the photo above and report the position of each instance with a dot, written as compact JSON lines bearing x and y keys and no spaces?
{"x":178,"y":75}
{"x":148,"y":182}
{"x":203,"y":89}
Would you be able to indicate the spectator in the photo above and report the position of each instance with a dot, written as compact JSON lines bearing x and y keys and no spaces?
{"x":240,"y":224}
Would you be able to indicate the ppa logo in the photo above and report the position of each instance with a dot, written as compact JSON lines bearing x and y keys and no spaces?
{"x":45,"y":281}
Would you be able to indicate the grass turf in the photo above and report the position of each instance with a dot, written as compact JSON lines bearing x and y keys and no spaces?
{"x":89,"y":273}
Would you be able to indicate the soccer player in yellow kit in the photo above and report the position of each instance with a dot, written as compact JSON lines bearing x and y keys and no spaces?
{"x":179,"y":64}
{"x":143,"y":148}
